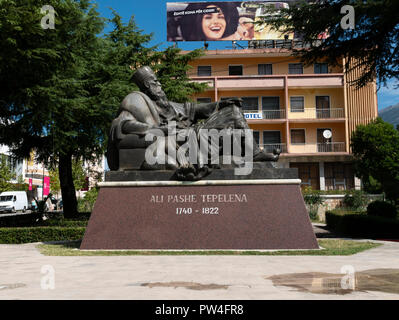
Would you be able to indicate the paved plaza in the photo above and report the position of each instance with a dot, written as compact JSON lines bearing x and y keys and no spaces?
{"x":25,"y":274}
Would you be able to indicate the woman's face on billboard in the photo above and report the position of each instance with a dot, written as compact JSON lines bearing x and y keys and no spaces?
{"x":214,"y":24}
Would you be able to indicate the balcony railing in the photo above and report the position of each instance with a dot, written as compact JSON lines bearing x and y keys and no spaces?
{"x":269,"y":148}
{"x":268,"y":114}
{"x":331,"y":147}
{"x":330,"y":113}
{"x":277,"y":82}
{"x":274,"y":114}
{"x":313,"y":113}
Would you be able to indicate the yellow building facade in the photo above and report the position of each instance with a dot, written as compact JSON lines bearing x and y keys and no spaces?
{"x":309,"y":112}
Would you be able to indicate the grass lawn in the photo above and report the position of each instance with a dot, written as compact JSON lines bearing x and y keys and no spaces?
{"x":331,"y":247}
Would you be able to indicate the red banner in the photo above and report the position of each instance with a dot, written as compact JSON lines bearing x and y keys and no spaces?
{"x":30,"y":184}
{"x":46,"y":186}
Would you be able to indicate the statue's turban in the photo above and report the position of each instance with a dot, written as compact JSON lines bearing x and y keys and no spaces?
{"x":142,"y":74}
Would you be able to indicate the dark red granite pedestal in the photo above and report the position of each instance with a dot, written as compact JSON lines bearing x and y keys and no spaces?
{"x":270,"y":214}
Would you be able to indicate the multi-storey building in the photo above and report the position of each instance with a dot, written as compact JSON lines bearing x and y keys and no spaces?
{"x":17,"y":166}
{"x":27,"y":170}
{"x":309,"y":112}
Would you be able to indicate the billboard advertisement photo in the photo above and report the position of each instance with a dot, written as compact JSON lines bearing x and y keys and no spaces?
{"x":222,"y":21}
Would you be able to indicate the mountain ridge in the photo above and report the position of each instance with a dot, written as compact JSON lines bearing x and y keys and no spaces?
{"x":390,"y":114}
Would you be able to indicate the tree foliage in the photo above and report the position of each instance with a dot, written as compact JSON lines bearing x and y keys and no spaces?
{"x":46,"y":84}
{"x":78,"y":173}
{"x":373,"y":45}
{"x":376,"y":150}
{"x":61,"y":88}
{"x":172,"y":71}
{"x":6,"y":174}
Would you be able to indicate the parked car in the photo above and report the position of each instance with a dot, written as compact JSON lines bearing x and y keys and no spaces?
{"x":13,"y":201}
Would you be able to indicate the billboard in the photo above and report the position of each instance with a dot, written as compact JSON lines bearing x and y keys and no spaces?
{"x":223,"y":21}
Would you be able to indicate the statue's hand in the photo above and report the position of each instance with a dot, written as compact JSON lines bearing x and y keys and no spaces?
{"x":230,"y":102}
{"x":166,"y":130}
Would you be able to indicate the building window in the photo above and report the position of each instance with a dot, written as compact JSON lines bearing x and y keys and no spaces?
{"x":295,"y":68}
{"x":250,"y":103}
{"x":308,"y":173}
{"x":256,"y":136}
{"x":265,"y":69}
{"x":271,"y":108}
{"x":271,"y":137}
{"x":235,"y":70}
{"x":323,"y":107}
{"x":298,"y":136}
{"x":204,"y":100}
{"x":204,"y":71}
{"x":320,"y":68}
{"x":297,"y":104}
{"x":270,"y":103}
{"x":339,"y":176}
{"x":271,"y":141}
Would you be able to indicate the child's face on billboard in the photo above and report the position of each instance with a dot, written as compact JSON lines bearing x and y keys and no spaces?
{"x":214,"y":24}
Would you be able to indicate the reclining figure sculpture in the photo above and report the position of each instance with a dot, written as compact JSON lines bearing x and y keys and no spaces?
{"x":142,"y":112}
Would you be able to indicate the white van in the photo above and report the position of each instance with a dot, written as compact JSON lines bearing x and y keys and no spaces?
{"x":13,"y":201}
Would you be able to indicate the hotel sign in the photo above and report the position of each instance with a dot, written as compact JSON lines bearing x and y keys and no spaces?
{"x":253,"y":116}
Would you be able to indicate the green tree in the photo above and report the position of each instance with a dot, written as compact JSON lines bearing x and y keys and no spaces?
{"x":78,"y":174}
{"x":376,"y":150}
{"x":20,"y":185}
{"x":55,"y":186}
{"x":61,"y":88}
{"x":46,"y":86}
{"x":372,"y":45}
{"x":6,"y":174}
{"x":127,"y":49}
{"x":172,"y":71}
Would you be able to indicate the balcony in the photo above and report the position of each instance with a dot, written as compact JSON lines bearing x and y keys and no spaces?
{"x":331,"y":147}
{"x":327,"y":147}
{"x":274,"y":114}
{"x":265,"y":115}
{"x":269,"y":148}
{"x":249,"y":82}
{"x":272,"y":82}
{"x":325,"y":80}
{"x":313,"y":113}
{"x":336,"y":113}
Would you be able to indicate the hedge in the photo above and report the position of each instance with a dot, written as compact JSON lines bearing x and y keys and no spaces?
{"x":40,"y":234}
{"x":55,"y":219}
{"x":360,"y":225}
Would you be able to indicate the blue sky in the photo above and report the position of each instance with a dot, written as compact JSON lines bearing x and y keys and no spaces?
{"x":150,"y":16}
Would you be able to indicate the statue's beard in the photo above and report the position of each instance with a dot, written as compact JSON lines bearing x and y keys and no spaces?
{"x":160,"y":100}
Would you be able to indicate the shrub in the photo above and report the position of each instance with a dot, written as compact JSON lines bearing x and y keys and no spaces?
{"x":380,"y":208}
{"x":50,"y":219}
{"x":361,"y":225}
{"x":40,"y":234}
{"x":313,"y":199}
{"x":87,"y":203}
{"x":355,"y":199}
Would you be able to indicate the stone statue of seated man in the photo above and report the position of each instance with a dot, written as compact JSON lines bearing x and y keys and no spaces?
{"x":143,"y":112}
